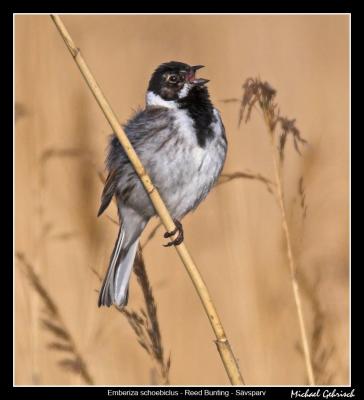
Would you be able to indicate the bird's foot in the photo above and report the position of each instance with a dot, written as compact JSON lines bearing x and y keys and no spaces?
{"x":179,"y":238}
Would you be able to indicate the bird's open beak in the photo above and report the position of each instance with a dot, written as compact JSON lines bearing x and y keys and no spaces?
{"x":192,"y":76}
{"x":196,"y":67}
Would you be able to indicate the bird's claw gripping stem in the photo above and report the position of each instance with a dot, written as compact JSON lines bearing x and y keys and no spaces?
{"x":179,"y":238}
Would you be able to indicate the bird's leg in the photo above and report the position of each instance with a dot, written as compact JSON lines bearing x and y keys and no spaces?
{"x":179,"y":238}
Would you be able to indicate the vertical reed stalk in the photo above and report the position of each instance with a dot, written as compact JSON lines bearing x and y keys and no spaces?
{"x":223,"y":346}
{"x":291,"y":260}
{"x":262,"y":94}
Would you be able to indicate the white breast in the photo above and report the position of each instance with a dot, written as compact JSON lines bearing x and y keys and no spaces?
{"x":194,"y":168}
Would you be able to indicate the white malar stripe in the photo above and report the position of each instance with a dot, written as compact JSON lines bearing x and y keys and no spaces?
{"x":184,"y":91}
{"x":153,"y":99}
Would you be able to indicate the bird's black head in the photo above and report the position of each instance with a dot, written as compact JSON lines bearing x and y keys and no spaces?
{"x":174,"y":80}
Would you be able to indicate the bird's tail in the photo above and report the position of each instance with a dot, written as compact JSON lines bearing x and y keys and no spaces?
{"x":114,"y":289}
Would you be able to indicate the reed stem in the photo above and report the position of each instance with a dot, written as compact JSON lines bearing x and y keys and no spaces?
{"x":223,"y":346}
{"x":291,"y":259}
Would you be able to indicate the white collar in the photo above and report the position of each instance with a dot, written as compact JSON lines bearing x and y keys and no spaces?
{"x":153,"y":99}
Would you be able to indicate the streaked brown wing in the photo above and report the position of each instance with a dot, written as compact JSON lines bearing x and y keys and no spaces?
{"x":108,"y":192}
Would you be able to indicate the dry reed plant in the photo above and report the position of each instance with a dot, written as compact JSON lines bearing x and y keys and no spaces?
{"x":62,"y":340}
{"x":223,"y":346}
{"x":145,"y":322}
{"x":260,"y":96}
{"x":321,"y":348}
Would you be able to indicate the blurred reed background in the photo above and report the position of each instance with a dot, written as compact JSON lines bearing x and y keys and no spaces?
{"x":235,"y":236}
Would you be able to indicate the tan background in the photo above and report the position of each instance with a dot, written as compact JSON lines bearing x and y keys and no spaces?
{"x":235,"y":236}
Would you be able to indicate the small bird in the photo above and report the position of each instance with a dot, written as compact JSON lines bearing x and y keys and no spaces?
{"x":181,"y":141}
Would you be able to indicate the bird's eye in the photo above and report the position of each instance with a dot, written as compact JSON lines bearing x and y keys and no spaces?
{"x":172,"y":78}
